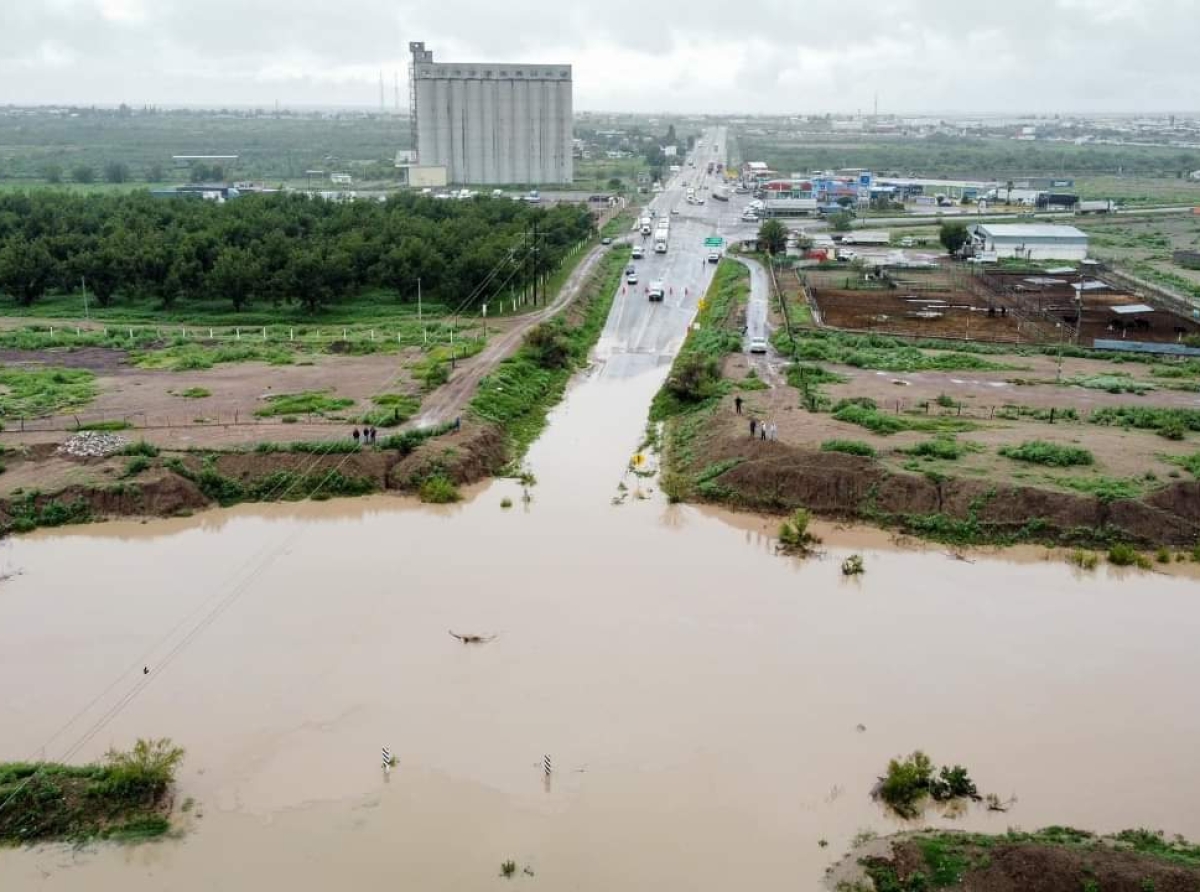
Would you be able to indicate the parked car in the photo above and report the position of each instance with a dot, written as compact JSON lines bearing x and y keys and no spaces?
{"x":607,"y":240}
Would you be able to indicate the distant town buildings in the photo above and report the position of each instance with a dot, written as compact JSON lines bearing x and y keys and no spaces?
{"x":493,"y":123}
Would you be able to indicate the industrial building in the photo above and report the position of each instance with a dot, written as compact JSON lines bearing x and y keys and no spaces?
{"x":492,"y":123}
{"x":1030,"y":241}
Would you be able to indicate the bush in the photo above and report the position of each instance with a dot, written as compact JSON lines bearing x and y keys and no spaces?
{"x":136,"y":465}
{"x":549,"y":346}
{"x":1172,"y":430}
{"x":906,"y":783}
{"x":849,"y":447}
{"x":1040,"y":452}
{"x":1122,"y":555}
{"x":141,"y":447}
{"x":794,"y":534}
{"x":695,"y":377}
{"x":307,"y":403}
{"x":438,"y":490}
{"x":1085,"y":560}
{"x":944,"y":448}
{"x":853,"y":566}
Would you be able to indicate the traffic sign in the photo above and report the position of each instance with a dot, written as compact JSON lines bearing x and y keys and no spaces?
{"x":714,"y":241}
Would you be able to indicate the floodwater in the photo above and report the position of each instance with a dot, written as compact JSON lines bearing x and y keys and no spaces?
{"x":699,"y":695}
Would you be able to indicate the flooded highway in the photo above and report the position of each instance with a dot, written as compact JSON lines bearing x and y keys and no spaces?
{"x":713,"y":711}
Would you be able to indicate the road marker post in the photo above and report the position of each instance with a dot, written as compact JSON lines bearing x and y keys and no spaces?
{"x":546,"y":766}
{"x":388,"y":760}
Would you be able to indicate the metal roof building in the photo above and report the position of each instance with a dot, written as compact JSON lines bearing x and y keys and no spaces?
{"x":1031,"y":241}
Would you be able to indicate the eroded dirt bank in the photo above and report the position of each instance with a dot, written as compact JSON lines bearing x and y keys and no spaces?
{"x":773,"y":476}
{"x":53,"y":488}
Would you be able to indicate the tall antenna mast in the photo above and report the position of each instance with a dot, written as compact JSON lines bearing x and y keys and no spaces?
{"x":396,"y":77}
{"x":382,"y":105}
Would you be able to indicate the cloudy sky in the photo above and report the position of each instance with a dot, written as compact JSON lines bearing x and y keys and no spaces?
{"x":697,"y":55}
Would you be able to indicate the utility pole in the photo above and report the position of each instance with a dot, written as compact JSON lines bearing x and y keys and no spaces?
{"x":418,"y":299}
{"x":83,"y":288}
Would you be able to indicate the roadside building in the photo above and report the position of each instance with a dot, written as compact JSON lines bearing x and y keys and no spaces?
{"x":1030,"y":241}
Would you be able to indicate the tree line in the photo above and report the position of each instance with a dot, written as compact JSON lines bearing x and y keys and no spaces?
{"x":282,"y":249}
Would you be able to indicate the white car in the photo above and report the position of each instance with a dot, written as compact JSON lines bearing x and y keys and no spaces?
{"x":638,"y":252}
{"x":758,"y":345}
{"x":714,"y":256}
{"x":631,"y":278}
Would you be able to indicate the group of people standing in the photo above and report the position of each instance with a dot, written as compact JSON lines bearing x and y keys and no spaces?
{"x":366,"y":437}
{"x":764,"y":430}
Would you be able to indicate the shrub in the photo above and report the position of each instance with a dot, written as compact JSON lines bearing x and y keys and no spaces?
{"x":906,"y":783}
{"x":438,"y":490}
{"x":506,"y":502}
{"x":195,"y":393}
{"x":105,"y":426}
{"x":436,"y":375}
{"x":549,"y":346}
{"x":695,"y":377}
{"x":136,"y":465}
{"x":794,"y":534}
{"x":849,"y":447}
{"x":1085,"y":560}
{"x":508,"y":868}
{"x":141,"y":447}
{"x":944,"y":448}
{"x":870,"y":418}
{"x":307,"y":403}
{"x":1040,"y":452}
{"x":853,"y":566}
{"x":953,"y":783}
{"x":1122,"y":555}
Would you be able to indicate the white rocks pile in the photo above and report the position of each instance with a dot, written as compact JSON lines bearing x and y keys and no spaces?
{"x":93,"y":444}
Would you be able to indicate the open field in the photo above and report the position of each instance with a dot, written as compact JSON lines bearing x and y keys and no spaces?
{"x":951,"y":440}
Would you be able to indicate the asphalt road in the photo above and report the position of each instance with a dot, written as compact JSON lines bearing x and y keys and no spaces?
{"x":640,"y":335}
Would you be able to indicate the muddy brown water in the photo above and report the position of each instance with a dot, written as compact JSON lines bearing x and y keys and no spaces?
{"x":699,"y":695}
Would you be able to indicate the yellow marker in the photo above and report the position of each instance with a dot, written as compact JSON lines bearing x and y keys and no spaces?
{"x":702,"y":304}
{"x":639,"y":460}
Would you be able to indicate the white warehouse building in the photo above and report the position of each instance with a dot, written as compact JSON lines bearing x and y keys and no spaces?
{"x":1030,"y":241}
{"x":492,"y":123}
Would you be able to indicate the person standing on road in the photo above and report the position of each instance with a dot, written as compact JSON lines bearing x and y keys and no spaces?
{"x":753,"y":425}
{"x":355,"y":436}
{"x":762,"y":429}
{"x":774,"y":433}
{"x":737,"y":405}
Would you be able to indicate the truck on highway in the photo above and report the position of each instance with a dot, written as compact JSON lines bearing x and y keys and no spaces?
{"x":867,"y":237}
{"x":646,"y":224}
{"x":657,"y":290}
{"x":660,"y":243}
{"x":1107,"y":206}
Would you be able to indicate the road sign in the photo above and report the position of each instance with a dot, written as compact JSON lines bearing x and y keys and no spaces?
{"x":714,"y":241}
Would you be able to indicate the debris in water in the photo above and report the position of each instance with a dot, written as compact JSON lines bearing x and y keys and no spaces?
{"x":472,"y":639}
{"x":860,"y":728}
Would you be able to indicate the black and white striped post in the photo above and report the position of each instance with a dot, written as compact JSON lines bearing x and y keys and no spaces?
{"x":546,"y":765}
{"x":387,"y":759}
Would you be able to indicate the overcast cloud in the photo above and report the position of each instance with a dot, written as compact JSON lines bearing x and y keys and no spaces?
{"x":703,"y":55}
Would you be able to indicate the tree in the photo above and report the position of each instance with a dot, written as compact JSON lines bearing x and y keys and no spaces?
{"x":615,"y":184}
{"x":772,"y":235}
{"x":549,"y":345}
{"x":53,"y":173}
{"x":695,"y":377}
{"x":25,"y":269}
{"x":155,"y":173}
{"x":235,"y":275}
{"x":953,"y":235}
{"x":116,"y":172}
{"x":83,"y":173}
{"x":841,"y":221}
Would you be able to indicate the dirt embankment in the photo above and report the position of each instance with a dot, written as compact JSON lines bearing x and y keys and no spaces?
{"x":778,"y":477}
{"x":464,"y":457}
{"x":1032,"y":864}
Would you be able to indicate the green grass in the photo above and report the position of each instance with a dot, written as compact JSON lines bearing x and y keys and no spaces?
{"x":310,"y":402}
{"x":849,"y":447}
{"x":1147,"y":417}
{"x":694,"y":382}
{"x":886,"y":424}
{"x":887,"y":354}
{"x":944,"y":448}
{"x":1106,"y":489}
{"x":438,"y":490}
{"x":1115,"y":382}
{"x":1190,"y":463}
{"x":35,"y":393}
{"x":120,"y":798}
{"x":391,"y":409}
{"x":193,"y":357}
{"x":195,"y":393}
{"x":109,"y":426}
{"x":1039,"y":452}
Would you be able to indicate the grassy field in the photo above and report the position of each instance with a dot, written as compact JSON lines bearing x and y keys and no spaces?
{"x":269,"y":147}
